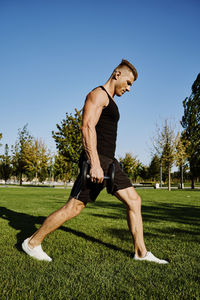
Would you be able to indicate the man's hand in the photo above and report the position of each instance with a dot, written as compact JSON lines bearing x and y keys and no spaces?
{"x":96,"y":174}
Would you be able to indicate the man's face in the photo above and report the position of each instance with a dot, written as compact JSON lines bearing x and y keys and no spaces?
{"x":124,"y":82}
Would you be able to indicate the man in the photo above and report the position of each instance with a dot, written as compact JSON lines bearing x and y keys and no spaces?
{"x":99,"y":132}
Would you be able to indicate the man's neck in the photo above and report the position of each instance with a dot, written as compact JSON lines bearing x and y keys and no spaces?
{"x":110,"y":87}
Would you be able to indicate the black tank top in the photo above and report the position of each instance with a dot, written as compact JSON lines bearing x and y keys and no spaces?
{"x":106,"y":128}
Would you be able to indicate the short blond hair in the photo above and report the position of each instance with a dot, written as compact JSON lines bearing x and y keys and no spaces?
{"x":126,"y":63}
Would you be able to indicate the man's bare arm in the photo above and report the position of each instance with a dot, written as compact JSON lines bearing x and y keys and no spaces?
{"x":93,"y":107}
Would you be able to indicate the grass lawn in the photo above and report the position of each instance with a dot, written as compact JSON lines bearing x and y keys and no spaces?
{"x":93,"y":253}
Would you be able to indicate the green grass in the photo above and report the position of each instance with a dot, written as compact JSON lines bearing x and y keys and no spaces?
{"x":93,"y":253}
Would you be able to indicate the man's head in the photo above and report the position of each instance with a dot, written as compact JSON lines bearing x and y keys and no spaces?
{"x":124,"y":75}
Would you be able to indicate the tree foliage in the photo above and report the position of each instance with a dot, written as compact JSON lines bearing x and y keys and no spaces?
{"x":181,"y":155}
{"x":29,"y":157}
{"x":36,"y":160}
{"x":1,"y":138}
{"x":164,"y":144}
{"x":154,"y":168}
{"x":5,"y":165}
{"x":19,"y":151}
{"x":131,"y":166}
{"x":68,"y":140}
{"x":191,"y":125}
{"x":181,"y":147}
{"x":143,"y":172}
{"x":62,"y":168}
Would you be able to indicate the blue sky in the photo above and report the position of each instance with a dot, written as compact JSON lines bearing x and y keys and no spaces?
{"x":52,"y":53}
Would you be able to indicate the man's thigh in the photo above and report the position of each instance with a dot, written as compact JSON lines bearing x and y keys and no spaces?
{"x":92,"y":190}
{"x":89,"y":194}
{"x":121,"y":180}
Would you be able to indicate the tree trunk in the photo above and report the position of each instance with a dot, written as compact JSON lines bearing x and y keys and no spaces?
{"x":36,"y":176}
{"x":192,"y":186}
{"x":169,"y":179}
{"x":20,"y":180}
{"x":161,"y":176}
{"x":192,"y":170}
{"x":181,"y":176}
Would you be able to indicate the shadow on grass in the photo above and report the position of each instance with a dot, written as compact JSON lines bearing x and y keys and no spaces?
{"x":27,"y":226}
{"x":95,"y":240}
{"x":171,"y":216}
{"x":20,"y":221}
{"x":185,"y":216}
{"x":184,"y":213}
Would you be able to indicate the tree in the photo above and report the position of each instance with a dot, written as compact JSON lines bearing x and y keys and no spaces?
{"x":0,"y":138}
{"x":43,"y":157}
{"x":62,"y":168}
{"x":154,"y":168}
{"x":5,"y":165}
{"x":164,"y":144}
{"x":130,"y":166}
{"x":50,"y":167}
{"x":143,"y":171}
{"x":191,"y":125}
{"x":36,"y":160}
{"x":68,"y":139}
{"x":181,"y":155}
{"x":20,"y":153}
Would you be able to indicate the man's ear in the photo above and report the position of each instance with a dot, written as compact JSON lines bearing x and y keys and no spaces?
{"x":116,"y":74}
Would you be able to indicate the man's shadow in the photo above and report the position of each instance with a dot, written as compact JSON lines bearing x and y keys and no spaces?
{"x":26,"y":224}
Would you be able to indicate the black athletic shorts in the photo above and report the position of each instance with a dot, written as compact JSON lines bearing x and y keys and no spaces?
{"x":121,"y":181}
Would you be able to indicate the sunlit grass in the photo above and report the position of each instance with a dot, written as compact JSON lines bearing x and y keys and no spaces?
{"x":93,"y":253}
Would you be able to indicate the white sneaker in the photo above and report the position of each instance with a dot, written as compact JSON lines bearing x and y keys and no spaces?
{"x":150,"y":257}
{"x":36,"y":252}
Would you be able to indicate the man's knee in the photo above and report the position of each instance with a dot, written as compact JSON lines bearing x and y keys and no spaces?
{"x":74,"y":206}
{"x":130,"y":197}
{"x":134,"y":201}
